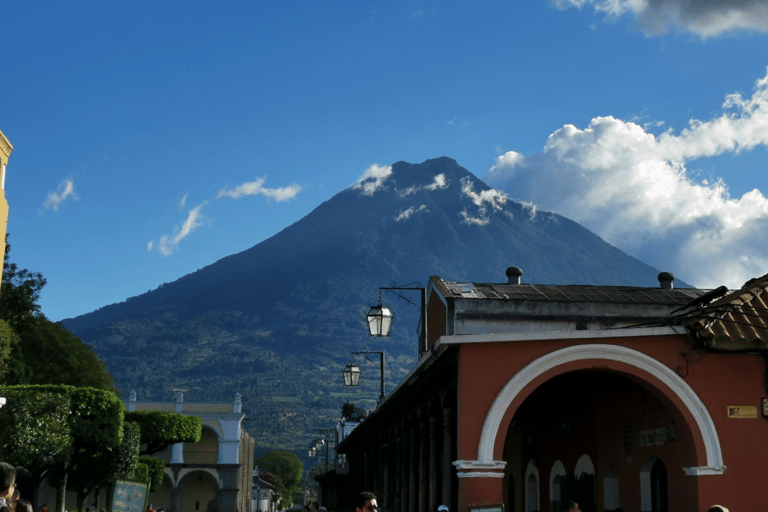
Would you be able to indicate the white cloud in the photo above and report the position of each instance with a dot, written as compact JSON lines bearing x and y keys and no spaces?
{"x":150,"y":245}
{"x":408,"y":213}
{"x":373,"y":179}
{"x":704,"y":18}
{"x":183,"y":202}
{"x":633,"y":189}
{"x":485,"y":200}
{"x":256,"y":188}
{"x":66,"y":190}
{"x":168,"y":244}
{"x":438,"y":182}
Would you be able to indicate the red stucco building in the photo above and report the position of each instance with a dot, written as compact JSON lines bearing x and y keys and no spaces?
{"x":640,"y":399}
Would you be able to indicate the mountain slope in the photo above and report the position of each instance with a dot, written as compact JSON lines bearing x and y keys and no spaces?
{"x":278,"y":321}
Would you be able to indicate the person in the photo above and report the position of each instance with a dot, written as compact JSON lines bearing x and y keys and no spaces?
{"x":24,"y":506}
{"x":571,"y":506}
{"x":366,"y":502}
{"x":8,"y":494}
{"x":314,"y":506}
{"x":717,"y":508}
{"x":442,"y":508}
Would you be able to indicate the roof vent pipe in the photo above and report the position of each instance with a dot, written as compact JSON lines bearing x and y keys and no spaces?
{"x":514,"y":274}
{"x":666,"y":279}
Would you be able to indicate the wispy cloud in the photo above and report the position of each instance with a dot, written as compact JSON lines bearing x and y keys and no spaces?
{"x":633,"y":188}
{"x":256,"y":187}
{"x":408,"y":213}
{"x":702,"y":18}
{"x":438,"y":182}
{"x":373,"y":179}
{"x":169,"y":243}
{"x":487,"y":202}
{"x":65,"y":190}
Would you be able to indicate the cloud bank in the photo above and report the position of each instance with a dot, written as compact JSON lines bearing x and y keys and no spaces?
{"x":169,"y":243}
{"x":704,"y":18}
{"x":633,"y":188}
{"x":65,"y":190}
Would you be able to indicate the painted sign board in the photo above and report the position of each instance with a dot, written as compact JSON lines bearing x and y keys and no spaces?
{"x":129,"y":496}
{"x":742,"y":411}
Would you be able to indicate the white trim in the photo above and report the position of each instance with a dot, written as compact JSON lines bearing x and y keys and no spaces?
{"x":475,"y":465}
{"x":704,"y":470}
{"x":643,"y":362}
{"x":480,"y":474}
{"x":634,"y":332}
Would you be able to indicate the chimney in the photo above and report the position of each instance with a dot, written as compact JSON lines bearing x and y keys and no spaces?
{"x":514,"y":274}
{"x":666,"y":279}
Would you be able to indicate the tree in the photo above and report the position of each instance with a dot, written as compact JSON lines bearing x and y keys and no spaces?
{"x":43,"y":352}
{"x":34,"y":433}
{"x":287,"y":468}
{"x":162,"y":429}
{"x":93,"y":427}
{"x":19,"y":294}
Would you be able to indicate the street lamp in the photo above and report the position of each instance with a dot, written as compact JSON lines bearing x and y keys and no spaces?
{"x":379,"y":320}
{"x":352,"y":373}
{"x":380,"y":316}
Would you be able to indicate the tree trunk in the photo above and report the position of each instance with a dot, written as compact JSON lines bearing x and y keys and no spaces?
{"x":61,"y":494}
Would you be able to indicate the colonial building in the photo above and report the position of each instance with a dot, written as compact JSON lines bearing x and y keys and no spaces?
{"x":5,"y":153}
{"x":644,"y":399}
{"x":213,"y":475}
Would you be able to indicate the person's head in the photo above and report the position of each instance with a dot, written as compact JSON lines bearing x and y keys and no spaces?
{"x":7,"y":478}
{"x":717,"y":508}
{"x":366,"y":502}
{"x":24,"y":506}
{"x":571,"y":506}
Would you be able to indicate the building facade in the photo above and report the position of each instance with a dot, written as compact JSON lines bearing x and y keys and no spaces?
{"x":5,"y":153}
{"x":213,"y":475}
{"x":526,"y":396}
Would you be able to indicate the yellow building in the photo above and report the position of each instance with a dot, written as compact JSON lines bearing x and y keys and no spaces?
{"x":5,"y":153}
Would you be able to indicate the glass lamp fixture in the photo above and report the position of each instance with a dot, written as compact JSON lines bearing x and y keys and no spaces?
{"x":351,"y":374}
{"x":379,"y":320}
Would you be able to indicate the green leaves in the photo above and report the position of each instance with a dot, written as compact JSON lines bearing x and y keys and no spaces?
{"x":161,"y":429}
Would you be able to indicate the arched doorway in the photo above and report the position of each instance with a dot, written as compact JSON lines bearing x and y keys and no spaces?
{"x":198,"y":492}
{"x":572,"y":427}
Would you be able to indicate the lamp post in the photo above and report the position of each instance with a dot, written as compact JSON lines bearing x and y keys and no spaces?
{"x":380,"y":317}
{"x":352,"y":372}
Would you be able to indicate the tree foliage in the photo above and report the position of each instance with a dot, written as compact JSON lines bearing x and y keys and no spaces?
{"x":161,"y":429}
{"x":67,"y":431}
{"x":19,"y":294}
{"x":35,"y":350}
{"x":287,"y":469}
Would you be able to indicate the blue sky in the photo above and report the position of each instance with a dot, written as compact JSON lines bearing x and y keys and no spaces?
{"x":153,"y":138}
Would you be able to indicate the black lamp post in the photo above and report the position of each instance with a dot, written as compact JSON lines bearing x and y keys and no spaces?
{"x":352,"y":373}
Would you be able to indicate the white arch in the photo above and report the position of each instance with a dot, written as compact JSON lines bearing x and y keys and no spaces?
{"x":584,"y":465}
{"x":532,"y":501}
{"x":678,"y":386}
{"x":558,"y":470}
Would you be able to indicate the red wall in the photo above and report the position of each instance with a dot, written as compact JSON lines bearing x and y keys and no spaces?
{"x":719,"y":380}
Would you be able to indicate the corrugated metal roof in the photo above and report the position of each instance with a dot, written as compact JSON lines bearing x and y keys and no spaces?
{"x":740,"y":317}
{"x":573,"y":293}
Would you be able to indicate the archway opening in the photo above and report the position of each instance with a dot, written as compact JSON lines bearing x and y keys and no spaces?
{"x":596,"y":424}
{"x":198,"y":493}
